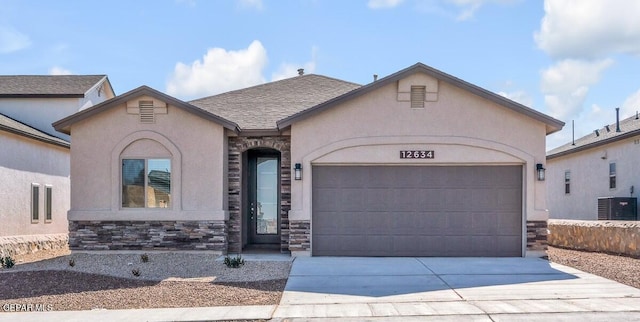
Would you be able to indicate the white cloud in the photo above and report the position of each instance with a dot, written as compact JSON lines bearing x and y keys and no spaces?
{"x":12,"y":40}
{"x":251,"y":4}
{"x":519,"y":96}
{"x":383,"y":4}
{"x":589,"y":28}
{"x":459,"y":10}
{"x":220,"y":70}
{"x":287,"y":70}
{"x":565,"y":85}
{"x":57,"y":70}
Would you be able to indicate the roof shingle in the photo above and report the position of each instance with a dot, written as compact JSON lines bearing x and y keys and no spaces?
{"x":261,"y":106}
{"x":628,"y":127}
{"x":47,"y":85}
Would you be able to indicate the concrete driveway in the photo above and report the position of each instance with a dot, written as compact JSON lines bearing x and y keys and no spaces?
{"x":457,"y":288}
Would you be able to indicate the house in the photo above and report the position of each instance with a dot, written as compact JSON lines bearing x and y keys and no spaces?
{"x":599,"y":165}
{"x":418,"y":163}
{"x":34,"y":163}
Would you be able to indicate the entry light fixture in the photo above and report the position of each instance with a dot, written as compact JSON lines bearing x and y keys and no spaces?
{"x":297,"y":171}
{"x":540,"y":170}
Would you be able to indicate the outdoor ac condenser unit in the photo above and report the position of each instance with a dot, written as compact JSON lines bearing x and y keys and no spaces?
{"x":617,"y":208}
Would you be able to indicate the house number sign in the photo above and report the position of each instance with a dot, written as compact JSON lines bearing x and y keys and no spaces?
{"x":417,"y":154}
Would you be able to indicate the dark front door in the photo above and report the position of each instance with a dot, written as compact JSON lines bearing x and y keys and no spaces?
{"x":264,"y":197}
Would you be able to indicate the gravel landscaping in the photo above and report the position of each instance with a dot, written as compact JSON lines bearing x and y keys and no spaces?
{"x":105,"y":281}
{"x":622,"y":269}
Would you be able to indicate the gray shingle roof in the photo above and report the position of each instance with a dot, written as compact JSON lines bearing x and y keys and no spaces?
{"x":47,"y":85}
{"x":10,"y":125}
{"x":628,"y":127}
{"x":260,"y":107}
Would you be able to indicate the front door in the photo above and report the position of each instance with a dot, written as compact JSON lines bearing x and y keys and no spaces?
{"x":264,"y":197}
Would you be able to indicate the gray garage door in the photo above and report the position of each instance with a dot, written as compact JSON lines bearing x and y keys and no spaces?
{"x":417,"y":211}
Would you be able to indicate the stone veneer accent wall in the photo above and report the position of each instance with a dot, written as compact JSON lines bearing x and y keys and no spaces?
{"x":238,"y":145}
{"x":536,"y":235}
{"x":29,"y":244}
{"x":615,"y":237}
{"x":300,"y":235}
{"x":148,"y":235}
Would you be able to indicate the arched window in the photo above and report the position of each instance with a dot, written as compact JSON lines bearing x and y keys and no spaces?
{"x":145,"y":175}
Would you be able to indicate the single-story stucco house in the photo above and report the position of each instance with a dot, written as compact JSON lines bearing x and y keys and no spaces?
{"x":418,"y":163}
{"x":596,"y":176}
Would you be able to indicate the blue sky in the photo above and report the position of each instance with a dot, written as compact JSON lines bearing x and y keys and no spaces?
{"x":574,"y":60}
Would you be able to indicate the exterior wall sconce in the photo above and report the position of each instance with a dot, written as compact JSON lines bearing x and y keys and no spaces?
{"x":297,"y":171}
{"x":540,"y":170}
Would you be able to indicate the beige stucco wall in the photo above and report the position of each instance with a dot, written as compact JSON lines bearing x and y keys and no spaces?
{"x":195,"y":145}
{"x":23,"y":162}
{"x":461,"y":128}
{"x":590,"y":179}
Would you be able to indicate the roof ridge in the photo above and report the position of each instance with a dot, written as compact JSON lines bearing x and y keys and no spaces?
{"x":274,"y":83}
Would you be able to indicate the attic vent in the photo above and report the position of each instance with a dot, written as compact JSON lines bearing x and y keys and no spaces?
{"x":418,"y":96}
{"x":146,"y":112}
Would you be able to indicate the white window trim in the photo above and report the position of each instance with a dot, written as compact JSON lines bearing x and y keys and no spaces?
{"x":34,"y":206}
{"x":567,"y":182}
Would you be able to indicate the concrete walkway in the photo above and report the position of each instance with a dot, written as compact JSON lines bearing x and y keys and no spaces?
{"x":412,"y":289}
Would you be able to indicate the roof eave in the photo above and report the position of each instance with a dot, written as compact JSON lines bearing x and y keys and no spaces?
{"x":552,"y":124}
{"x":60,"y":143}
{"x":42,"y":95}
{"x":64,"y":125}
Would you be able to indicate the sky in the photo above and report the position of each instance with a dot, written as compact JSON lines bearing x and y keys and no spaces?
{"x":575,"y":60}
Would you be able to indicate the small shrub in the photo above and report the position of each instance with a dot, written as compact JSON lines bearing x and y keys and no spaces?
{"x":234,"y":262}
{"x":144,"y":258}
{"x":135,"y":272}
{"x":72,"y":262}
{"x":7,"y":262}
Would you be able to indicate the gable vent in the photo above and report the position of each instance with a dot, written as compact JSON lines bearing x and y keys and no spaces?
{"x":418,"y":95}
{"x":146,"y":112}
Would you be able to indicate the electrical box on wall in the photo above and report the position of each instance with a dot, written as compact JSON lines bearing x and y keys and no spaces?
{"x":617,"y":208}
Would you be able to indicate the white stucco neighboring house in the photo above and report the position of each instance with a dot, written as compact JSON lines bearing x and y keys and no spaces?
{"x":418,"y":163}
{"x":35,"y":163}
{"x":602,"y":164}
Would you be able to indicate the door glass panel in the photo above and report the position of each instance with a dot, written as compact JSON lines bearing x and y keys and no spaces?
{"x":267,"y":196}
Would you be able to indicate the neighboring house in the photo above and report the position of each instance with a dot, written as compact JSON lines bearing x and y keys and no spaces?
{"x":34,"y":163}
{"x":604,"y":163}
{"x":418,"y":163}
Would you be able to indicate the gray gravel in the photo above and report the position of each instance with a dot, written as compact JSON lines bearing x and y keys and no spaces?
{"x":167,"y":266}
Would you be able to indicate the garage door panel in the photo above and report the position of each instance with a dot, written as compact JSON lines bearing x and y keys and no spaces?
{"x":417,"y":211}
{"x":379,"y":199}
{"x":484,"y":224}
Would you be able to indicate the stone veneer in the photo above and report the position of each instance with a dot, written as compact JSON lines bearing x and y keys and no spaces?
{"x":237,"y":146}
{"x":300,"y":235}
{"x":148,"y":235}
{"x":614,"y":237}
{"x":29,"y":244}
{"x":537,"y":235}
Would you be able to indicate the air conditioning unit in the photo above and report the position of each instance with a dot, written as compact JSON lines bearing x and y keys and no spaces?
{"x":617,"y":208}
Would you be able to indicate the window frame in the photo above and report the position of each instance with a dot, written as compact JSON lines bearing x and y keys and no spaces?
{"x":146,"y":183}
{"x":567,"y":182}
{"x":48,"y":203}
{"x":613,"y":172}
{"x":35,"y":203}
